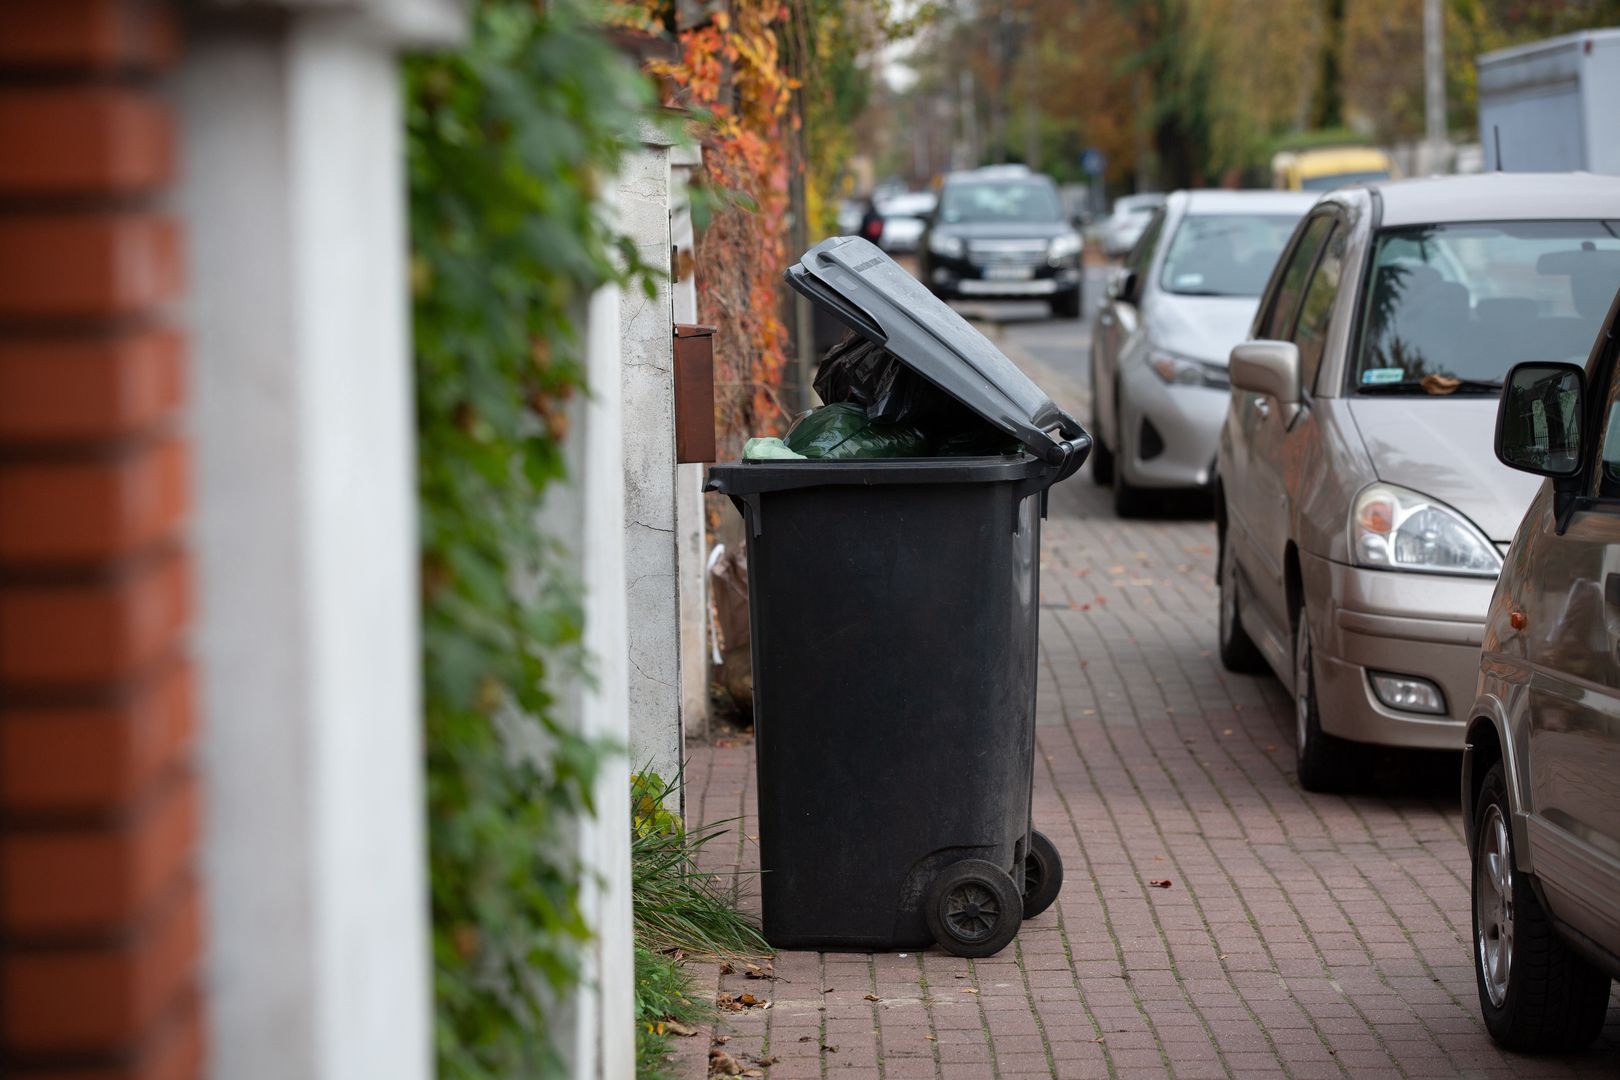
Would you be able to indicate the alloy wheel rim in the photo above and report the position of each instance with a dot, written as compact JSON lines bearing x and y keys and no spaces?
{"x":1302,"y":683}
{"x":972,"y":911}
{"x":1493,"y":905}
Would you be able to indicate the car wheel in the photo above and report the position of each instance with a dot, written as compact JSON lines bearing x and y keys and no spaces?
{"x":1102,"y":458}
{"x":1067,"y":305}
{"x":1535,"y":992}
{"x":1324,"y":763}
{"x":1238,"y":650}
{"x":1129,"y":500}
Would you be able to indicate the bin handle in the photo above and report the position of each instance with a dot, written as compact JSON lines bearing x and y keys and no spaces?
{"x":1075,"y":449}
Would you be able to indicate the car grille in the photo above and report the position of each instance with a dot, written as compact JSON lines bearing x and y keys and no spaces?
{"x":1007,"y":252}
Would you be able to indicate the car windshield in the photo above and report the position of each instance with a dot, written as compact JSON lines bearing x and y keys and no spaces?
{"x":1225,"y":254}
{"x":1338,"y":180}
{"x":999,"y":201}
{"x":1454,"y":306}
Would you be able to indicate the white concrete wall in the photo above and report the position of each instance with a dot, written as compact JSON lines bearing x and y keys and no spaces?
{"x":647,"y":345}
{"x":314,"y":854}
{"x":587,"y":514}
{"x":691,"y":541}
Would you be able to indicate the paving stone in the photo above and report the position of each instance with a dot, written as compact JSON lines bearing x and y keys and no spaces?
{"x":1302,"y":936}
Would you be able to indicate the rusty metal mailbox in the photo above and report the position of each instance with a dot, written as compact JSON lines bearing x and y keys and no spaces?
{"x":694,"y":393}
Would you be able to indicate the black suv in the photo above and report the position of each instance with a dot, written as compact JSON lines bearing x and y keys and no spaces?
{"x":1000,"y":232}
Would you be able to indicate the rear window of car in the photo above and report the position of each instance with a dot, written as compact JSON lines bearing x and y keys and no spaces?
{"x":1464,"y":302}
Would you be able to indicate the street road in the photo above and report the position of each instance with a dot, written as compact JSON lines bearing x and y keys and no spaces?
{"x":1300,"y":936}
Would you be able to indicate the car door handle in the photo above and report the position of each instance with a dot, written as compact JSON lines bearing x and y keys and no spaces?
{"x":1263,"y":407}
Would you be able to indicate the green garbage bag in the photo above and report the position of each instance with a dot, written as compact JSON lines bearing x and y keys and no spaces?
{"x":843,"y":431}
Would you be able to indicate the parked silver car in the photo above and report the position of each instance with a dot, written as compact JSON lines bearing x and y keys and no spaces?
{"x":1182,"y":299}
{"x":1126,"y":222}
{"x":1541,"y":774}
{"x":1360,"y":511}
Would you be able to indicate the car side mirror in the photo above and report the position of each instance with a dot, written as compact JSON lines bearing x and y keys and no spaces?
{"x":1123,"y":286}
{"x":1267,"y":367}
{"x":1538,"y":423}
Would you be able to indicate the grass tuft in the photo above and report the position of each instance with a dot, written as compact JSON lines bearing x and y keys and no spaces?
{"x":680,"y":913}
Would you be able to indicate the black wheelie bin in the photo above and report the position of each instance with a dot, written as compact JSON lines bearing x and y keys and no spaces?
{"x":894,"y":609}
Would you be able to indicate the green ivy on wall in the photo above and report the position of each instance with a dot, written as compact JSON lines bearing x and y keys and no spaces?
{"x":509,"y":141}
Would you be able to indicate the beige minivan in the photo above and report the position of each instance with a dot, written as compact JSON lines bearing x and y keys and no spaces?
{"x":1361,"y":514}
{"x":1541,"y":774}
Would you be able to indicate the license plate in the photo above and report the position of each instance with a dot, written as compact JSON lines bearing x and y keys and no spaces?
{"x":1008,"y":273}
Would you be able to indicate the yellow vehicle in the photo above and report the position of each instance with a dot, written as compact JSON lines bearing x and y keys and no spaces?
{"x":1329,"y":168}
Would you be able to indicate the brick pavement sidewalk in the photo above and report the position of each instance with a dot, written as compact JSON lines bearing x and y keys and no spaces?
{"x":1302,"y":935}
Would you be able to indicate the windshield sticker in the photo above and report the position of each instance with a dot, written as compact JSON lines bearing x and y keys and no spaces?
{"x":1383,"y":375}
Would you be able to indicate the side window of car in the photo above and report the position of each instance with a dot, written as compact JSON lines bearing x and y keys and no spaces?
{"x":1283,"y":304}
{"x":1316,"y":312}
{"x":1608,"y":463}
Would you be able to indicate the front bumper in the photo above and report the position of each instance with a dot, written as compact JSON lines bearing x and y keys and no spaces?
{"x":1424,"y":625}
{"x":963,"y":278}
{"x":1171,"y":432}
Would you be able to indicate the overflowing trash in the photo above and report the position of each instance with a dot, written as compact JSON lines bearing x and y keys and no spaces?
{"x":844,"y":430}
{"x":877,"y":407}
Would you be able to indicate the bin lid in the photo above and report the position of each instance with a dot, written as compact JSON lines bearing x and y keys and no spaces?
{"x":878,"y":299}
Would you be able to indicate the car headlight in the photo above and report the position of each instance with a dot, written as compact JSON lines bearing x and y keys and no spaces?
{"x":1064,"y":247}
{"x":1182,"y":371}
{"x":1392,"y":528}
{"x":947,"y":245}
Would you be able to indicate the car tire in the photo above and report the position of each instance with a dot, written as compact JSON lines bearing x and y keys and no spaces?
{"x":1239,"y":653}
{"x":1067,"y":305}
{"x":1325,"y":763}
{"x":1536,"y":993}
{"x":1129,"y":500}
{"x":1102,"y":458}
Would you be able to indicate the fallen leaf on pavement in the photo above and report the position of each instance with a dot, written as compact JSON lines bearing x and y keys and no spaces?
{"x":723,"y":1064}
{"x":804,"y":1038}
{"x":1228,"y":731}
{"x":873,"y":997}
{"x":969,"y":990}
{"x":753,"y":1072}
{"x":1100,"y":1038}
{"x":932,"y":1038}
{"x":1221,"y":957}
{"x":1160,"y":883}
{"x":675,"y":1027}
{"x":727,"y":969}
{"x":825,"y":1049}
{"x":756,"y":972}
{"x":766,"y":1062}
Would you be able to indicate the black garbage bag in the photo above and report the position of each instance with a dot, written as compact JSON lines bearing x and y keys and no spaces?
{"x":843,"y":430}
{"x":980,"y":440}
{"x":850,"y":371}
{"x":860,"y":372}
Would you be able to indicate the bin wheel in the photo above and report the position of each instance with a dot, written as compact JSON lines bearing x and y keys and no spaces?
{"x":1043,"y":874}
{"x":973,"y":908}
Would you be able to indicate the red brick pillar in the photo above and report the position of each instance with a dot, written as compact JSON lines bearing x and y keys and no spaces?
{"x":99,"y":907}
